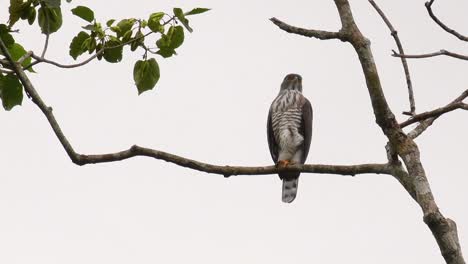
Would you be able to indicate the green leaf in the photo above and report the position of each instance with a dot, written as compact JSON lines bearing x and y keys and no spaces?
{"x":170,"y":41}
{"x":89,"y":27}
{"x":84,"y":13}
{"x":110,"y":22}
{"x":145,"y":74}
{"x":25,"y":11}
{"x":11,"y":91}
{"x":165,"y":52}
{"x":177,"y":36}
{"x":138,"y":40}
{"x":99,"y":31}
{"x":98,"y":48}
{"x":127,"y":36}
{"x":125,"y":25}
{"x":181,"y":17}
{"x":113,"y":55}
{"x":32,"y":16}
{"x":52,"y":3}
{"x":76,"y":46}
{"x":16,"y":9}
{"x":164,"y":45}
{"x":50,"y":19}
{"x":156,"y":16}
{"x":17,"y":51}
{"x":92,"y":45}
{"x":154,"y":22}
{"x":6,"y":37}
{"x":197,"y":11}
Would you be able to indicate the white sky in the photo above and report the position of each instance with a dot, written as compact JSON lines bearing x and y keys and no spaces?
{"x":211,"y":105}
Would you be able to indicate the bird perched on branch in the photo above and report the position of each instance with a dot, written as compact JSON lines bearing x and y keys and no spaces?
{"x":289,"y":130}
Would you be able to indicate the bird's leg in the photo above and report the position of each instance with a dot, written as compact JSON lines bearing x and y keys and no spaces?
{"x":283,"y":163}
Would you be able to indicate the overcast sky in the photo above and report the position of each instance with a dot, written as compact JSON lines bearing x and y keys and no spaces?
{"x":211,"y":105}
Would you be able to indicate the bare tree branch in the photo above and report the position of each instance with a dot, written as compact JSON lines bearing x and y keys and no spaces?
{"x":46,"y":44}
{"x":441,"y":24}
{"x":434,"y":113}
{"x":433,"y":54}
{"x":25,"y":57}
{"x":228,"y":171}
{"x":415,"y":181}
{"x":421,"y":127}
{"x":394,"y":34}
{"x":6,"y":71}
{"x":427,"y":119}
{"x":65,"y":66}
{"x":134,"y":151}
{"x":311,"y":33}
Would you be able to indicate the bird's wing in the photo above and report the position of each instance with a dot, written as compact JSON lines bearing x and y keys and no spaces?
{"x":271,"y":139}
{"x":306,"y":128}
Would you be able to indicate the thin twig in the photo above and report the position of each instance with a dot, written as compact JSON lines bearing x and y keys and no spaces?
{"x":46,"y":42}
{"x":433,"y":54}
{"x":394,"y":34}
{"x":25,"y":57}
{"x":6,"y":71}
{"x":41,"y":59}
{"x":65,"y":66}
{"x":46,"y":45}
{"x":421,"y":127}
{"x":441,"y":24}
{"x":434,"y":114}
{"x":311,"y":33}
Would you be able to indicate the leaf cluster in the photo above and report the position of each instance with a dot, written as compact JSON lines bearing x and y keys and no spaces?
{"x":161,"y":34}
{"x":108,"y":41}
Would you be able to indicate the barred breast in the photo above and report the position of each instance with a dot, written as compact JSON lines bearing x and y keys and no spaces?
{"x":286,"y":120}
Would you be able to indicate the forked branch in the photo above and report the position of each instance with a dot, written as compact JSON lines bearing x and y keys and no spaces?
{"x":431,"y":116}
{"x":456,"y":104}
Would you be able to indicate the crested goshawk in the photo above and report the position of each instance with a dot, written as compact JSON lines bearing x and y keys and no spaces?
{"x":289,"y":129}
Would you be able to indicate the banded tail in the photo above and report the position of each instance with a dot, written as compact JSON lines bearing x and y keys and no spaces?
{"x":289,"y":189}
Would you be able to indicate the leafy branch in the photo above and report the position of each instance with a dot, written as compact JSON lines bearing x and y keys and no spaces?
{"x":102,"y":41}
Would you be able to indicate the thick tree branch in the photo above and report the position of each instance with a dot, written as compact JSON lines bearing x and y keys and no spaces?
{"x":394,"y":34}
{"x":441,"y":24}
{"x":228,"y":171}
{"x":311,"y":33}
{"x":135,"y":151}
{"x":433,"y":54}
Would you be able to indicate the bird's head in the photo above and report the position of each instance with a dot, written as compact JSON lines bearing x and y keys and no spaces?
{"x":292,"y":81}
